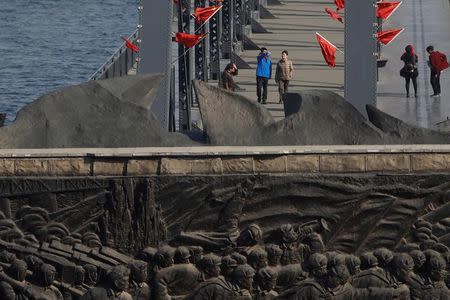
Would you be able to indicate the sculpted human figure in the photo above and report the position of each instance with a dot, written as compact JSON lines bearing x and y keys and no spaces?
{"x":292,"y":252}
{"x":227,"y":230}
{"x":215,"y":286}
{"x":196,"y":254}
{"x":227,"y":266}
{"x":77,"y":289}
{"x":138,"y":287}
{"x":6,"y":291}
{"x":46,"y":289}
{"x":181,"y":255}
{"x":18,"y":271}
{"x":90,"y":276}
{"x":274,"y":253}
{"x":173,"y":281}
{"x":113,"y":288}
{"x":250,"y":239}
{"x":257,"y":258}
{"x":435,"y":287}
{"x":266,"y":280}
{"x":353,"y":264}
{"x":313,"y":287}
{"x":242,"y":278}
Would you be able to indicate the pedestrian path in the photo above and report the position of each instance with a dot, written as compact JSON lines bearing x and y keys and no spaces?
{"x":426,"y":22}
{"x":294,"y":31}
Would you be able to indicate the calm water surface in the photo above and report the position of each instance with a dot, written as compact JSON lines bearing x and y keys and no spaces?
{"x":46,"y":44}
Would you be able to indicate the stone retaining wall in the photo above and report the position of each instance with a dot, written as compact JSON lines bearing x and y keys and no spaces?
{"x":226,"y":160}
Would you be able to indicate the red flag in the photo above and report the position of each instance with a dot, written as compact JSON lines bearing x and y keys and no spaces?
{"x":328,"y":50}
{"x":189,"y":40}
{"x":203,"y":14}
{"x":334,"y":15}
{"x":340,"y":4}
{"x":130,"y":45}
{"x":388,"y":36}
{"x":385,"y":9}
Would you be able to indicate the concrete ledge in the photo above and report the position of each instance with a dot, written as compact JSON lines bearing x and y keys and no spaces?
{"x":226,"y":160}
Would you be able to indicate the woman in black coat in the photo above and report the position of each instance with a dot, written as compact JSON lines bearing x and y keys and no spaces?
{"x":409,"y":71}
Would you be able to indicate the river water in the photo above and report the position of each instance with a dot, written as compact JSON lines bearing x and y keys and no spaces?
{"x":46,"y":44}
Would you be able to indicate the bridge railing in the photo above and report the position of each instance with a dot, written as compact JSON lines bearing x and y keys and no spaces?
{"x":120,"y":63}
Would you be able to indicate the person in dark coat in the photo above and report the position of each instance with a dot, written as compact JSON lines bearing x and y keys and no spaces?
{"x":410,"y":69}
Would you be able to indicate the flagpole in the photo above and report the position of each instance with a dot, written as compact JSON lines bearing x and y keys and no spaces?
{"x":330,"y":43}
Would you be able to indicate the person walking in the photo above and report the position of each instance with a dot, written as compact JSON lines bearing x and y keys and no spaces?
{"x":409,"y":70}
{"x":283,"y":74}
{"x":227,"y":77}
{"x":263,"y":74}
{"x":437,"y":63}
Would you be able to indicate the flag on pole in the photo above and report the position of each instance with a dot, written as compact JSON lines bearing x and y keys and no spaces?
{"x":203,"y":14}
{"x":334,"y":15}
{"x":340,"y":4}
{"x":189,"y":40}
{"x":328,"y":50}
{"x":386,"y":9}
{"x":388,"y":36}
{"x":130,"y":45}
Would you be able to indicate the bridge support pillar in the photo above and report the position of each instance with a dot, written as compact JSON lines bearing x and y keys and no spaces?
{"x":156,"y":52}
{"x":360,"y":53}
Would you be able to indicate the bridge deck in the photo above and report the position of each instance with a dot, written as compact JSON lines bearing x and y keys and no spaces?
{"x":426,"y":21}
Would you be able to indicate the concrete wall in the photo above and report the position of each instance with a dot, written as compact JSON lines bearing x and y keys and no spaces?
{"x":226,"y":160}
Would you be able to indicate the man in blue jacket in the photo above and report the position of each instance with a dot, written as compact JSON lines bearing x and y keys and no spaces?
{"x":263,"y":74}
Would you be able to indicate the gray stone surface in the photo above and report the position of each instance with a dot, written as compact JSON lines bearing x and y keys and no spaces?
{"x":406,"y":134}
{"x":314,"y":117}
{"x":110,"y":113}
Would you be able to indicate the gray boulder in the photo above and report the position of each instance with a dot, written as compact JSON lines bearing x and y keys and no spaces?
{"x":109,"y":113}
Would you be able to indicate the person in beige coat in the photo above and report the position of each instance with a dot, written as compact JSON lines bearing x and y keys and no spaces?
{"x":283,"y":74}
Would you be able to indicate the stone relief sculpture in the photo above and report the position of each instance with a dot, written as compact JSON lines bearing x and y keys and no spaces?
{"x":241,"y":237}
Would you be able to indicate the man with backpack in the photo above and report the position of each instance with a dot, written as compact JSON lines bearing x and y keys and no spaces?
{"x":437,"y":62}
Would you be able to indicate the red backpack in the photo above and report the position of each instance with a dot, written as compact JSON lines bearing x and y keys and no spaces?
{"x":439,"y":61}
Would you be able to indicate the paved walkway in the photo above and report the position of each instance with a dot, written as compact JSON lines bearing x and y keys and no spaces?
{"x":426,"y":22}
{"x":294,"y":31}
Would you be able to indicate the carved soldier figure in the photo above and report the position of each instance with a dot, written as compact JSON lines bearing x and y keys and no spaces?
{"x":214,"y":286}
{"x":353,"y":264}
{"x":175,"y":281}
{"x":90,"y":276}
{"x":266,"y":279}
{"x":293,"y":252}
{"x":257,"y":258}
{"x":274,"y":253}
{"x":250,"y":239}
{"x":227,"y":266}
{"x":139,"y":288}
{"x":46,"y":289}
{"x":77,"y":289}
{"x":6,"y":291}
{"x":113,"y":288}
{"x":181,"y":255}
{"x":242,"y":277}
{"x":314,"y":287}
{"x":435,"y":287}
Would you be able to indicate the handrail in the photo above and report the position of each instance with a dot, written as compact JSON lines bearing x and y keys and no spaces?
{"x":114,"y":57}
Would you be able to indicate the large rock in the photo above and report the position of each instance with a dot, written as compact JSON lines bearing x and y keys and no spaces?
{"x":110,"y":113}
{"x":314,"y":117}
{"x":404,"y":133}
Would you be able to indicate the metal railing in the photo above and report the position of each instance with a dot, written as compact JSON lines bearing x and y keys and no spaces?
{"x":120,"y":63}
